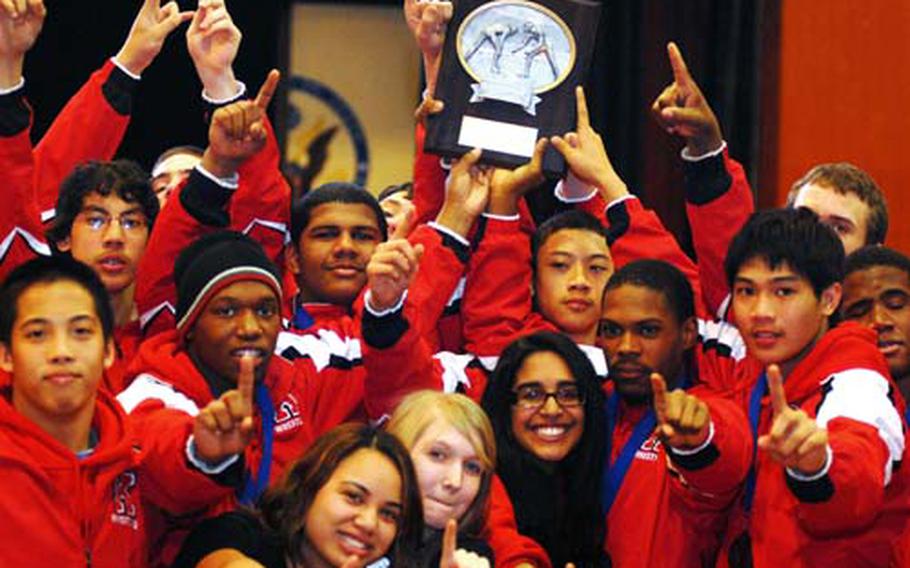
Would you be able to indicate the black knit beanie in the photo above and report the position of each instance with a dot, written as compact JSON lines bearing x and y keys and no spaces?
{"x":213,"y":262}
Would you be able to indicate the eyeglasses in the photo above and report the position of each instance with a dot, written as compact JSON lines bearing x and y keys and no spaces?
{"x":98,"y":221}
{"x":531,"y":396}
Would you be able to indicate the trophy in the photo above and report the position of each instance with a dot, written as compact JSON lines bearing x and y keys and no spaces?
{"x":508,"y":74}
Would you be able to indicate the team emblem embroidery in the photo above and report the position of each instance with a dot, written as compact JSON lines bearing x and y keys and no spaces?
{"x":287,"y":415}
{"x":126,"y":511}
{"x":649,"y":450}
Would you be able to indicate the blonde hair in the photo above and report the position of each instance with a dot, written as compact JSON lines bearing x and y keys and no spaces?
{"x":418,"y":410}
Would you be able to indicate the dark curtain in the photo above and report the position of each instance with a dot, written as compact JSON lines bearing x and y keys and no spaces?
{"x":723,"y":42}
{"x":79,"y":36}
{"x":729,"y":45}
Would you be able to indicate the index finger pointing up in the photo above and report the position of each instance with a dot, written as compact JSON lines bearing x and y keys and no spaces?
{"x":449,"y":543}
{"x":245,"y":381}
{"x":582,"y":109}
{"x":659,"y":389}
{"x":776,"y":389}
{"x":680,"y":70}
{"x":267,"y":90}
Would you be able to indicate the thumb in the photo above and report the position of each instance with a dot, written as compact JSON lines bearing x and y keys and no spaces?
{"x":449,"y":542}
{"x":418,"y":253}
{"x":776,"y":389}
{"x":173,"y":17}
{"x":469,"y":159}
{"x":352,"y":561}
{"x":406,"y":226}
{"x":267,"y":90}
{"x":196,"y":21}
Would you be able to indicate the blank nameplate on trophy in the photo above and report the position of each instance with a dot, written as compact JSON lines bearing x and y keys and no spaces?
{"x":497,"y":136}
{"x":508,"y":75}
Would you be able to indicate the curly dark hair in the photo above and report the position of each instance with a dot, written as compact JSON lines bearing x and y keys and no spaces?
{"x":122,"y":178}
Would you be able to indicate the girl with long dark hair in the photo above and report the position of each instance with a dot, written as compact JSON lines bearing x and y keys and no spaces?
{"x":547,"y":409}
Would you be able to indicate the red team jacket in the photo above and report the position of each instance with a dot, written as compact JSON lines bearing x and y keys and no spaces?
{"x":59,"y":510}
{"x":32,"y":178}
{"x":853,"y":513}
{"x":674,"y":511}
{"x":167,"y":390}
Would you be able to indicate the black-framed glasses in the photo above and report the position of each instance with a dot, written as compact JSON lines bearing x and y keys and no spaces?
{"x":531,"y":396}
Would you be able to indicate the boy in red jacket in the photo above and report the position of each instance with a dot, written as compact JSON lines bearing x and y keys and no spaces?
{"x":649,"y":333}
{"x":826,"y":418}
{"x":76,"y":474}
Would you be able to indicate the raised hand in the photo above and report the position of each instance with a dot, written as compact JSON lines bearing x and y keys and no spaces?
{"x":390,"y":271}
{"x":225,"y":426}
{"x":213,"y":40}
{"x":428,"y":106}
{"x":352,"y":561}
{"x":407,"y":224}
{"x":507,"y":187}
{"x":454,"y":557}
{"x":238,"y":130}
{"x":683,"y":420}
{"x":586,"y":155}
{"x":467,"y":192}
{"x":795,"y":440}
{"x":20,"y":23}
{"x":427,"y":20}
{"x":151,"y":27}
{"x":681,"y":109}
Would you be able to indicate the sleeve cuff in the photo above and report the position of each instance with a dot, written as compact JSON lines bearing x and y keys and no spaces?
{"x":573,"y":190}
{"x":447,"y":231}
{"x":231,"y":183}
{"x":701,"y":447}
{"x":619,"y":200}
{"x":126,"y":71}
{"x":14,"y":88}
{"x":201,"y":465}
{"x":815,"y":476}
{"x":241,"y":91}
{"x":516,"y":217}
{"x":685,"y":155}
{"x":367,"y":305}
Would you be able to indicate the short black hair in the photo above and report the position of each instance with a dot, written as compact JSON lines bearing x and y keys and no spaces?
{"x":875,"y":255}
{"x":661,"y":277}
{"x":571,"y":219}
{"x":123,"y":178}
{"x":47,"y":270}
{"x":407,"y":188}
{"x":793,"y":236}
{"x":335,"y":192}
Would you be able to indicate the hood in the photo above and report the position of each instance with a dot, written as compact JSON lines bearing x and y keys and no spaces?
{"x":24,"y":442}
{"x":849,"y":345}
{"x":162,"y":357}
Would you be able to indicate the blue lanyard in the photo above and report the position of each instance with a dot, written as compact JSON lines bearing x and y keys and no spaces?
{"x":758,"y":392}
{"x":253,"y":488}
{"x":302,"y":318}
{"x":907,"y":416}
{"x":615,"y":474}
